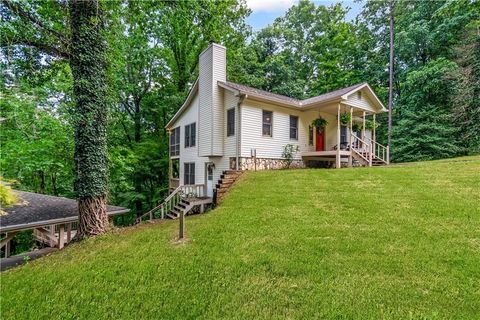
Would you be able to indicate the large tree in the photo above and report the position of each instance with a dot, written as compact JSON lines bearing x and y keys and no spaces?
{"x":88,"y":62}
{"x":43,"y":27}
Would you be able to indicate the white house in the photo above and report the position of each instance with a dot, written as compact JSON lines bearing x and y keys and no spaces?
{"x":229,"y":126}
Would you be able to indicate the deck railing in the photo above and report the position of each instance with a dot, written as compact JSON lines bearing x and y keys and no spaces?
{"x":167,"y":205}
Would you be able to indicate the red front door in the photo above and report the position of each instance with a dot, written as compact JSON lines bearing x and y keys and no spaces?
{"x":320,"y":140}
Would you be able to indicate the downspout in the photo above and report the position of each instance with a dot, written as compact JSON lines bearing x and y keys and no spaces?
{"x":241,"y":97}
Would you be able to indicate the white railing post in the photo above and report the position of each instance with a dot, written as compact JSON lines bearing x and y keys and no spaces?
{"x":370,"y":155}
{"x":388,"y":154}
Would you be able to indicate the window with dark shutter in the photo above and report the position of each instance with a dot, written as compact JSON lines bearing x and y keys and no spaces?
{"x":230,"y":122}
{"x":267,"y":123}
{"x":189,"y":173}
{"x":187,"y":136}
{"x":343,"y":134}
{"x":294,"y":127}
{"x":190,"y":135}
{"x":310,"y":135}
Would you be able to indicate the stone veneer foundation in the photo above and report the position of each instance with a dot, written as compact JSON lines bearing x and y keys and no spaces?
{"x":267,"y":164}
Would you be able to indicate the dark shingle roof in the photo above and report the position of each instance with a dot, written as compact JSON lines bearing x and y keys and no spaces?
{"x":37,"y":208}
{"x":292,"y":101}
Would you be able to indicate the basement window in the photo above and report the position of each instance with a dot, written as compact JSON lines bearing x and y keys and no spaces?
{"x":189,"y":173}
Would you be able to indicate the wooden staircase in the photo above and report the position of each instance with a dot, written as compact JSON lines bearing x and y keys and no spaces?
{"x":369,"y":153}
{"x":227,"y":179}
{"x":184,"y":199}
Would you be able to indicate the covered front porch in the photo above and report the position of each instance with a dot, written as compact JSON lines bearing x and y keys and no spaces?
{"x":348,"y":137}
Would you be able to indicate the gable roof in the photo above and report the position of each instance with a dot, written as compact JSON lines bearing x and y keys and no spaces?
{"x":342,"y":93}
{"x":339,"y":94}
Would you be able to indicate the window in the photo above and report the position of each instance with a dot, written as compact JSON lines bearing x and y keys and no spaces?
{"x":175,"y":142}
{"x":310,"y":135}
{"x":189,"y":173}
{"x":190,"y":135}
{"x":343,"y":135}
{"x":267,"y":123}
{"x":359,"y":95}
{"x":230,"y":122}
{"x":293,"y":127}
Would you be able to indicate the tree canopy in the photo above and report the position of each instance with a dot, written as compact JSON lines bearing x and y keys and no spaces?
{"x":152,"y":56}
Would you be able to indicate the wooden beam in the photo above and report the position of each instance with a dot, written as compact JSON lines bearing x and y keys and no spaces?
{"x":48,"y":235}
{"x":61,"y":236}
{"x":338,"y":159}
{"x":181,"y":229}
{"x":7,"y":239}
{"x":69,"y":232}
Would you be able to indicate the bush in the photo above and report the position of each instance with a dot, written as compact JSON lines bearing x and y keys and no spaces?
{"x":288,"y":154}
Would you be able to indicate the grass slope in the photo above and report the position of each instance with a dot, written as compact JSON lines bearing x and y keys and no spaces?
{"x":393,"y":242}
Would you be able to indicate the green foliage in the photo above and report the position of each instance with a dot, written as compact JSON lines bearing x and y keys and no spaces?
{"x":288,"y":154}
{"x":319,"y":123}
{"x":345,"y":118}
{"x":7,"y":196}
{"x":309,"y":244}
{"x":426,"y":131}
{"x":90,"y":89}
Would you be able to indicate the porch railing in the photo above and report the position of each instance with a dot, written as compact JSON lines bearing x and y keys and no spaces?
{"x":167,"y":205}
{"x":362,"y":148}
{"x":380,"y":151}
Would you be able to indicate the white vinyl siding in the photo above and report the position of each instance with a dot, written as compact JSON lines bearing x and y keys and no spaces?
{"x":212,"y":68}
{"x":270,"y":147}
{"x":364,"y":102}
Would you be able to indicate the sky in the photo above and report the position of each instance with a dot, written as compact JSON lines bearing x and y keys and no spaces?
{"x":265,"y":11}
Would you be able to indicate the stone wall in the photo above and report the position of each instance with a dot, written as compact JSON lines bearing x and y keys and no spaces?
{"x":267,"y":164}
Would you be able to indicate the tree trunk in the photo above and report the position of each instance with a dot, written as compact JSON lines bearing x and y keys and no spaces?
{"x":89,"y":68}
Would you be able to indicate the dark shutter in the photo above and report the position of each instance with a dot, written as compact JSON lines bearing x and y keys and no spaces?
{"x":294,"y":127}
{"x":230,"y":122}
{"x":193,"y":133}
{"x":187,"y":136}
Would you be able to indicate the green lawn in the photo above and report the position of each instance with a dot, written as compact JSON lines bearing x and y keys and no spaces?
{"x":390,"y":242}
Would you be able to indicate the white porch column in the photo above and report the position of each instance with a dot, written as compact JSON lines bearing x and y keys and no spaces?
{"x":337,"y":158}
{"x":350,"y":141}
{"x":374,"y":139}
{"x":363,"y":129}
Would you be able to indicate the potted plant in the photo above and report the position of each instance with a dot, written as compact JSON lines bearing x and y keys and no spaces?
{"x":356,"y":127}
{"x":345,"y":118}
{"x":369,"y":124}
{"x":319,"y":123}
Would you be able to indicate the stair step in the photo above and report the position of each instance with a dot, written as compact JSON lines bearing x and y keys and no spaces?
{"x":171,"y":216}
